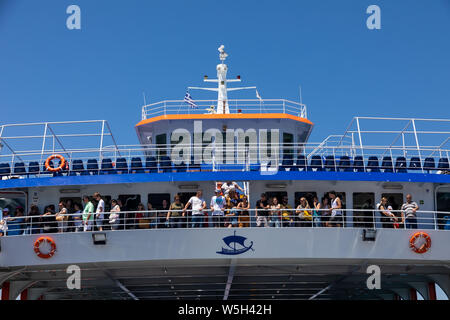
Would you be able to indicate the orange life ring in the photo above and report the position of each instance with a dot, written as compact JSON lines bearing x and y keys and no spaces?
{"x":37,"y":249}
{"x":61,"y":166}
{"x":424,"y":247}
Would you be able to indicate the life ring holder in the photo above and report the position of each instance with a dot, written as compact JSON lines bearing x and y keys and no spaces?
{"x":424,"y":247}
{"x":61,"y":166}
{"x":37,"y":245}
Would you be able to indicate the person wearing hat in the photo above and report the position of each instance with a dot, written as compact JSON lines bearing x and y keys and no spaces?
{"x":217,"y":206}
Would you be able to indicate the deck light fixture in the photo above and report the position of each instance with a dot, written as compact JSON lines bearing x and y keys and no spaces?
{"x":188,"y":186}
{"x":99,"y":238}
{"x":276,"y":185}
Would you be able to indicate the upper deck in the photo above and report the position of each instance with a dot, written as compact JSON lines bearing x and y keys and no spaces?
{"x":412,"y":153}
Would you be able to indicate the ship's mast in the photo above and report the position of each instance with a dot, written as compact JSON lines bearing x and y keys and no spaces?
{"x":222,"y":90}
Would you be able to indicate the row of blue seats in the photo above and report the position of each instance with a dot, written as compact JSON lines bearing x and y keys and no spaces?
{"x":317,"y":163}
{"x":346,"y":164}
{"x":107,"y":167}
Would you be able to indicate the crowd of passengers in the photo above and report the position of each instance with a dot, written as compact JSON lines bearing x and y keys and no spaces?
{"x":229,"y":207}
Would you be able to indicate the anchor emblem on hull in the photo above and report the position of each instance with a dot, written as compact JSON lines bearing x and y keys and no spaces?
{"x":235,"y":245}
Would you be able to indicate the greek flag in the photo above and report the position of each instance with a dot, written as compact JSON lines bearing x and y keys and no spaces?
{"x":188,"y":99}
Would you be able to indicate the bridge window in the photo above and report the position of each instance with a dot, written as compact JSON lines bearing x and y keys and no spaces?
{"x":161,"y":141}
{"x":288,"y":141}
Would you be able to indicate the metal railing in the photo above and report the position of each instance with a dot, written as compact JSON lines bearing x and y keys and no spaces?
{"x":244,"y":157}
{"x":240,"y":218}
{"x":236,"y":106}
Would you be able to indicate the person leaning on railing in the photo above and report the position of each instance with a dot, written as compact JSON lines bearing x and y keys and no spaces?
{"x":337,"y":217}
{"x":232,"y":215}
{"x":142,"y":219}
{"x":317,"y":221}
{"x":88,"y":214}
{"x":217,"y":206}
{"x":388,"y":219}
{"x":409,"y":209}
{"x":287,"y":215}
{"x":3,"y":222}
{"x":304,"y":213}
{"x":49,"y":223}
{"x":275,"y":212}
{"x":62,"y":217}
{"x":198,"y":205}
{"x":324,"y":211}
{"x":114,"y":215}
{"x":261,"y":212}
{"x":174,"y":214}
{"x":77,"y":217}
{"x":162,"y":214}
{"x":16,"y":224}
{"x":34,"y":219}
{"x":244,"y":214}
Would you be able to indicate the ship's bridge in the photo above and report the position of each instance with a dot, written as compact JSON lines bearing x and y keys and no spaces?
{"x":160,"y":120}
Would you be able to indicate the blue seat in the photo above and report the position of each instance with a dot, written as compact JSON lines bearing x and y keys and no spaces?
{"x":255,"y":166}
{"x":181,"y":167}
{"x":415,"y":164}
{"x":19,"y":168}
{"x":92,"y":166}
{"x":300,"y":164}
{"x":33,"y":167}
{"x":429,"y":164}
{"x":443,"y":164}
{"x":151,"y":165}
{"x":194,"y":166}
{"x":136,"y":165}
{"x":107,"y":167}
{"x":316,"y":163}
{"x":50,"y":163}
{"x":165,"y":164}
{"x":386,"y":164}
{"x":55,"y":174}
{"x":345,"y":164}
{"x":287,"y":162}
{"x":5,"y":169}
{"x":121,"y":166}
{"x":400,"y":165}
{"x":358,"y":164}
{"x":330,"y":163}
{"x":373,"y":164}
{"x":77,"y":167}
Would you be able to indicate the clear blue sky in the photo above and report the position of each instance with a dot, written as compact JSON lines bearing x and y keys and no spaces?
{"x":48,"y":72}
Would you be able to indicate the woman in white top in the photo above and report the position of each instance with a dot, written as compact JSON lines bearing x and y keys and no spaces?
{"x":336,"y":218}
{"x":114,"y":215}
{"x":62,"y":217}
{"x":275,"y":213}
{"x":388,"y":219}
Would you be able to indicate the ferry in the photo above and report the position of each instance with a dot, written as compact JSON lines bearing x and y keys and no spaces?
{"x":361,"y":215}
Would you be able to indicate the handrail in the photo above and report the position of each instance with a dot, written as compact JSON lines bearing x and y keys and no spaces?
{"x":243,"y":105}
{"x":157,"y":219}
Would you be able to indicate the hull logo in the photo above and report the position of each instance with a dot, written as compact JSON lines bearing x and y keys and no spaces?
{"x":235,"y":245}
